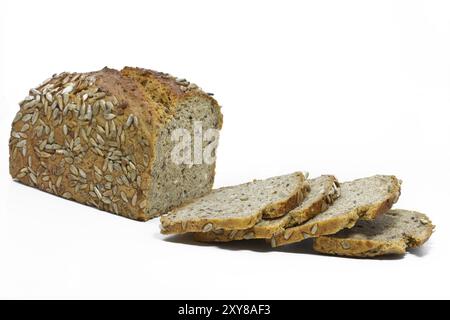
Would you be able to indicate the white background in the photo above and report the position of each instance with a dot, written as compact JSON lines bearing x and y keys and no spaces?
{"x":352,"y":88}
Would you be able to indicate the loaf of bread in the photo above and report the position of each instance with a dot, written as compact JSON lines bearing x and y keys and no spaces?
{"x":106,"y":139}
{"x":391,"y":233}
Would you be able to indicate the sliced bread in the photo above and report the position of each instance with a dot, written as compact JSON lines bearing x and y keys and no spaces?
{"x":364,"y":198}
{"x":392,"y":233}
{"x":237,"y":207}
{"x":322,"y":192}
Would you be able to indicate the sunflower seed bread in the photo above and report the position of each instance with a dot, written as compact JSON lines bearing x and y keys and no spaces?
{"x":237,"y":207}
{"x":391,"y":233}
{"x":364,"y":198}
{"x":321,"y":192}
{"x":324,"y":191}
{"x":104,"y":139}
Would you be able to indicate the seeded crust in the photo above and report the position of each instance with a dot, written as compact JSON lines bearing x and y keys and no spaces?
{"x":237,"y":207}
{"x":91,"y":137}
{"x":320,"y":193}
{"x":392,"y":233}
{"x":365,"y":199}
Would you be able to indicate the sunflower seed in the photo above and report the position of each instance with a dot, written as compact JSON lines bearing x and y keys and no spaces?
{"x":208,"y":227}
{"x":35,"y":91}
{"x":314,"y":229}
{"x":134,"y":200}
{"x":115,"y":208}
{"x":97,"y":170}
{"x":49,"y":97}
{"x":143,"y":204}
{"x":82,"y":173}
{"x":58,"y":181}
{"x":107,"y":129}
{"x":21,"y":144}
{"x":100,"y":139}
{"x":129,"y":121}
{"x":25,"y":127}
{"x":33,"y":178}
{"x":124,"y":196}
{"x":35,"y":117}
{"x":67,"y":89}
{"x":67,"y":195}
{"x":26,"y":117}
{"x":249,"y":236}
{"x":55,"y":114}
{"x":74,"y":170}
{"x":109,"y":116}
{"x":273,"y":242}
{"x":345,"y":245}
{"x":139,"y":181}
{"x":65,"y":130}
{"x":98,"y":193}
{"x":106,"y":200}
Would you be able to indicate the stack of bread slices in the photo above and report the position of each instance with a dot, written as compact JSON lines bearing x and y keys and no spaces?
{"x":352,"y":218}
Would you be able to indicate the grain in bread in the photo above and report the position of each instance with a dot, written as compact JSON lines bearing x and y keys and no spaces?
{"x":237,"y":207}
{"x":321,"y":192}
{"x":104,"y":139}
{"x":391,"y":233}
{"x":364,"y":198}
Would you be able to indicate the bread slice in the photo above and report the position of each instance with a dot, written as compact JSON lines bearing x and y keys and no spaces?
{"x":237,"y":207}
{"x":324,"y":191}
{"x":360,"y":199}
{"x":321,"y":192}
{"x":392,"y":233}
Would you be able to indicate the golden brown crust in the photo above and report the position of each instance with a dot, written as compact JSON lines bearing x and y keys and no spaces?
{"x":91,"y":137}
{"x":336,"y":224}
{"x":239,"y":223}
{"x":167,"y":91}
{"x":358,"y":248}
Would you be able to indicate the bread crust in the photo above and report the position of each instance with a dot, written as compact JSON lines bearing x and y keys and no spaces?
{"x":336,"y":224}
{"x":281,"y":207}
{"x":75,"y":121}
{"x":367,"y":248}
